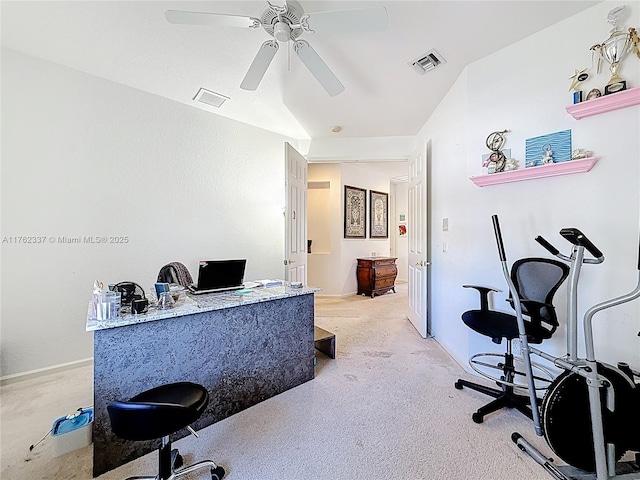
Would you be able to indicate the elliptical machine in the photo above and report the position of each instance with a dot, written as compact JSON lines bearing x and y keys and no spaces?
{"x":590,"y":415}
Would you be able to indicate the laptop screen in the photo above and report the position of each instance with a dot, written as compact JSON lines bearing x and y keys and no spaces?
{"x":214,"y":274}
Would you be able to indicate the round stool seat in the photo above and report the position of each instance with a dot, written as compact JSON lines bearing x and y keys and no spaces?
{"x":158,"y":412}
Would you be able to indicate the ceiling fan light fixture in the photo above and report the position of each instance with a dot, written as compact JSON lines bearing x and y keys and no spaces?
{"x":210,"y":98}
{"x":282,"y":32}
{"x":427,"y":62}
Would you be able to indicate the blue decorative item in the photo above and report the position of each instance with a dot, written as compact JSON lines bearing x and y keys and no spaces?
{"x":550,"y":148}
{"x":72,"y":431}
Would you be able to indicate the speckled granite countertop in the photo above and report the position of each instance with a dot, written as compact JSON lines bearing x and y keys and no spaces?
{"x":189,"y":304}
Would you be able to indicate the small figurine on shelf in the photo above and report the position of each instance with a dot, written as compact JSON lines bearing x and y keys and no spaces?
{"x":548,"y":154}
{"x":496,"y":161}
{"x":579,"y":153}
{"x":511,"y":164}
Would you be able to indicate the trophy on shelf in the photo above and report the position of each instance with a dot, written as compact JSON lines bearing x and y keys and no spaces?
{"x":615,"y":48}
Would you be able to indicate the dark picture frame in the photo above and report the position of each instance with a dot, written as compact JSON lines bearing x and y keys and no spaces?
{"x":378,"y":214}
{"x":355,"y":212}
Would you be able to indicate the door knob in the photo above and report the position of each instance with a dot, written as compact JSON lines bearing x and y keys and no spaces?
{"x":291,"y":261}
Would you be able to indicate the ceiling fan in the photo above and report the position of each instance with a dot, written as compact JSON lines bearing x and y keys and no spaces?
{"x":285,"y":20}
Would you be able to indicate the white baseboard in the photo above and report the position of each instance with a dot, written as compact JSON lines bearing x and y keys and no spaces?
{"x":341,"y":295}
{"x":41,"y":372}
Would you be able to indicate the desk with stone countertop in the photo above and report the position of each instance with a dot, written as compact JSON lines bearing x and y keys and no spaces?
{"x":242,"y":348}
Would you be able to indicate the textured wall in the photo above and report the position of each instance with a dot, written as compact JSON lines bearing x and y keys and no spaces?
{"x":243,"y":355}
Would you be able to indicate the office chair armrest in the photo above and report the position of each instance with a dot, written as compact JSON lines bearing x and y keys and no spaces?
{"x":484,"y":294}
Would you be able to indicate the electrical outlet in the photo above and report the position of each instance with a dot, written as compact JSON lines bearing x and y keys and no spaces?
{"x":445,"y":224}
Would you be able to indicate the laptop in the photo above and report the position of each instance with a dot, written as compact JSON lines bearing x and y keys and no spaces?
{"x":219,"y":276}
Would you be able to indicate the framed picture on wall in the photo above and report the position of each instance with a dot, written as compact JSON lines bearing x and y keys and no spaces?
{"x":379,"y":214}
{"x":355,"y":212}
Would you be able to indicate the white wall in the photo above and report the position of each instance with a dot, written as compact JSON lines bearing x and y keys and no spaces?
{"x":324,"y":259}
{"x":335,"y":271}
{"x":82,"y":156}
{"x":524,"y":88}
{"x":400,"y":191}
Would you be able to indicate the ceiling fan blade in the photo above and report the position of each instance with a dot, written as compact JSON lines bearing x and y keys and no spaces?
{"x":259,"y":65}
{"x":278,"y":4}
{"x":346,"y":21}
{"x":216,"y":19}
{"x":318,"y":68}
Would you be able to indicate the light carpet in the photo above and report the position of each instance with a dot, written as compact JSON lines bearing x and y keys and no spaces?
{"x":386,"y":407}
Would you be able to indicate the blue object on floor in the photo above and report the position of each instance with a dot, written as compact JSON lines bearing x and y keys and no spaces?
{"x":69,"y":423}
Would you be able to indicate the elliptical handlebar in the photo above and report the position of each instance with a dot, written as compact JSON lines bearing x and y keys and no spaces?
{"x":578,"y":238}
{"x":550,"y":248}
{"x":496,"y":230}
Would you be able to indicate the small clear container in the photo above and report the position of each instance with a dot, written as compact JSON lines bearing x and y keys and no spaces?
{"x":105,"y":305}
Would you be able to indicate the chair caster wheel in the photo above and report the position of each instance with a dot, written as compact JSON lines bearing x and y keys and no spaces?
{"x":178,"y":462}
{"x":458,"y":385}
{"x":476,"y":417}
{"x":217,"y":473}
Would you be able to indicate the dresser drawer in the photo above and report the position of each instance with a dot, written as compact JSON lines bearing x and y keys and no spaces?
{"x":384,"y":282}
{"x":386,"y":271}
{"x":384,"y":261}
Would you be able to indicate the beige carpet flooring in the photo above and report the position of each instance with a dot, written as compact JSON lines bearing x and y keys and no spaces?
{"x":384,"y":408}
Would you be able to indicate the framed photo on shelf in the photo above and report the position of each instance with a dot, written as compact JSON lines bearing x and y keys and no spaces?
{"x":550,"y":148}
{"x":355,"y":212}
{"x":379,"y":214}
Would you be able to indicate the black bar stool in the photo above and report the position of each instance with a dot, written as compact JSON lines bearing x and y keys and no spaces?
{"x":157,"y":413}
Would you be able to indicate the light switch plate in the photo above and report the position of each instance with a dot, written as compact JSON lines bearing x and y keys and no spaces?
{"x":445,"y":224}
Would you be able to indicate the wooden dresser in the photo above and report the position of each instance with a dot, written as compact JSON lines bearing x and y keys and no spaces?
{"x":376,"y":275}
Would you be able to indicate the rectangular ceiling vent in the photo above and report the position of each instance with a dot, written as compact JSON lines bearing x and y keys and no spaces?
{"x":427,"y":62}
{"x":210,"y":98}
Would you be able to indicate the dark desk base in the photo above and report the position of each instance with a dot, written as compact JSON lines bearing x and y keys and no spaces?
{"x":243,"y":355}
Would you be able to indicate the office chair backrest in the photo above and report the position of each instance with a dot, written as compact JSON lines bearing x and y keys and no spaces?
{"x":537,"y":280}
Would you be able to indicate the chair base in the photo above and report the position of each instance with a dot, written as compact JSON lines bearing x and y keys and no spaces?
{"x":504,"y":398}
{"x":177,"y":470}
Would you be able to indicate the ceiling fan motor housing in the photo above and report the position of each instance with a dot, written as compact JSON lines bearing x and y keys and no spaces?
{"x":277,"y":25}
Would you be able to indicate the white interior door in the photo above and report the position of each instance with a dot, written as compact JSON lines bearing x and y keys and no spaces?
{"x":417,"y":226}
{"x":295,"y":243}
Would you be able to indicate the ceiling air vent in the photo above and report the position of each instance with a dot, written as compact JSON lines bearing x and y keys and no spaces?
{"x":427,"y":62}
{"x":210,"y":98}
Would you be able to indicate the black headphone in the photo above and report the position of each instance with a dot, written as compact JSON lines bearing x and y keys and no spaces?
{"x":129,"y":292}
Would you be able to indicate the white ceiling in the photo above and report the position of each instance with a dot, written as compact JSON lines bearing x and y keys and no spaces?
{"x":130,"y":42}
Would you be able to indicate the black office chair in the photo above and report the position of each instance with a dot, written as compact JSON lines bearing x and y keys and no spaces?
{"x":536,"y":281}
{"x":157,"y":413}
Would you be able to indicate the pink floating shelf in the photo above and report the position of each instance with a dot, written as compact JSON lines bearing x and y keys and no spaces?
{"x":607,"y":103}
{"x":563,"y":168}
